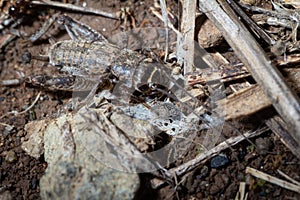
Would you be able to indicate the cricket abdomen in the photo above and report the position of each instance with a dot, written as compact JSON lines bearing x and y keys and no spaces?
{"x":83,"y":58}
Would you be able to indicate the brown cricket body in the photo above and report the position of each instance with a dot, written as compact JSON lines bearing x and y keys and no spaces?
{"x":89,"y":60}
{"x":99,"y":59}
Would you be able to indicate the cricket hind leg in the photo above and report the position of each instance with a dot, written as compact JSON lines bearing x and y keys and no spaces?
{"x":46,"y":26}
{"x":80,"y":31}
{"x":63,"y":83}
{"x":81,"y":87}
{"x":75,"y":29}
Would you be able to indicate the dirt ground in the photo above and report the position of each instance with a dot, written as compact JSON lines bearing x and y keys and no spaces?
{"x":20,"y":173}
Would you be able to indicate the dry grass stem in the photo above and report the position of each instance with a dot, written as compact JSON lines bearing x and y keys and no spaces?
{"x":288,"y":178}
{"x":24,"y":111}
{"x":185,"y":41}
{"x":75,"y":8}
{"x":272,"y":179}
{"x":241,"y":195}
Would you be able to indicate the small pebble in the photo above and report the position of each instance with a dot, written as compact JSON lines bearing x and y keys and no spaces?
{"x":176,"y":70}
{"x":219,"y":161}
{"x":262,"y":193}
{"x":7,"y":130}
{"x":26,"y":57}
{"x":203,"y":185}
{"x":203,"y":172}
{"x":241,"y":154}
{"x":5,"y":195}
{"x":209,"y":36}
{"x":225,"y":179}
{"x":34,"y":183}
{"x":17,"y":141}
{"x":241,"y":176}
{"x":263,"y":145}
{"x":214,"y":190}
{"x":11,"y":156}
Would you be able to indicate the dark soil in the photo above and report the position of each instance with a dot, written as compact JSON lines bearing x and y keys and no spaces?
{"x":20,"y":173}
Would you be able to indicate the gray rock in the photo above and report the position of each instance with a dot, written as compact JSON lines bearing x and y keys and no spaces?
{"x":5,"y":195}
{"x":219,"y":161}
{"x":209,"y":36}
{"x":68,"y":180}
{"x":11,"y":156}
{"x":72,"y":149}
{"x":34,"y":146}
{"x":8,"y":130}
{"x":263,"y":145}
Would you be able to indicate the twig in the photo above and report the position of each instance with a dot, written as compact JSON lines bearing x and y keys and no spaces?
{"x":11,"y":82}
{"x":272,"y":179}
{"x":3,"y":124}
{"x":279,"y":15}
{"x":288,"y":59}
{"x":280,"y":129}
{"x":252,"y":24}
{"x":5,"y":39}
{"x":33,"y":103}
{"x":75,"y":8}
{"x":240,"y":195}
{"x":252,"y":99}
{"x":165,"y":20}
{"x":158,"y":15}
{"x":24,"y":111}
{"x":288,"y":178}
{"x":192,"y":164}
{"x":252,"y":55}
{"x":185,"y":41}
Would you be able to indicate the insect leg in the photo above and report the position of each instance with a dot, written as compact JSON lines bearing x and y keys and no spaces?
{"x":44,"y":29}
{"x":79,"y":31}
{"x":64,"y":83}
